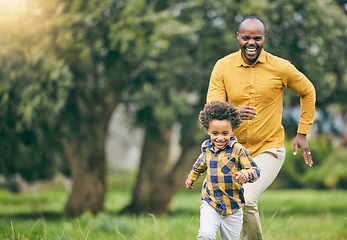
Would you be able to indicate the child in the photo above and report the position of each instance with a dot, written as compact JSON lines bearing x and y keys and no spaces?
{"x":228,"y":166}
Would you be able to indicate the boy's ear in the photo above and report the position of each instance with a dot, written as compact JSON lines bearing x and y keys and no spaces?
{"x":207,"y":131}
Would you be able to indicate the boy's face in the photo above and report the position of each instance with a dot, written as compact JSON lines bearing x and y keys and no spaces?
{"x":220,"y":132}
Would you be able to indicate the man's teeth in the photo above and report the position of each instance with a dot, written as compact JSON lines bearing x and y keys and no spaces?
{"x":251,"y":49}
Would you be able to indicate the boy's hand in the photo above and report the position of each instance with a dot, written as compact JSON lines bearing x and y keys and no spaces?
{"x":240,"y":177}
{"x":190,"y":184}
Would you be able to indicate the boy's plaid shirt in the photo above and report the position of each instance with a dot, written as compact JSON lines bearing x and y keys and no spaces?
{"x":220,"y":189}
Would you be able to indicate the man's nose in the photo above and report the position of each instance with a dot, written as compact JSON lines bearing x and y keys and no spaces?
{"x":251,"y":41}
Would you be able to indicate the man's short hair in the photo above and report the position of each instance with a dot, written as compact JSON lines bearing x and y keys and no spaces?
{"x":251,"y":17}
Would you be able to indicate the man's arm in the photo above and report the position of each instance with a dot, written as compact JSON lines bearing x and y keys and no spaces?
{"x":216,"y":88}
{"x":300,"y":84}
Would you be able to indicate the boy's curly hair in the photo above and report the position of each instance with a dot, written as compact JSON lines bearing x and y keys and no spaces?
{"x":220,"y":111}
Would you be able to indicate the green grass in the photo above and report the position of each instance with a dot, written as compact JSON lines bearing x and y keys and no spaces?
{"x":285,"y":214}
{"x":304,"y":214}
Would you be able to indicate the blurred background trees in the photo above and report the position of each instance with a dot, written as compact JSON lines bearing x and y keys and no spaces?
{"x":67,"y":65}
{"x":33,"y":91}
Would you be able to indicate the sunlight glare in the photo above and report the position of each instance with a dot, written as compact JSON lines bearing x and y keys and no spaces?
{"x":11,"y":1}
{"x":11,"y":6}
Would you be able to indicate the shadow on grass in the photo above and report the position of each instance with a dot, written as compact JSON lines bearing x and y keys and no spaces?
{"x":179,"y":212}
{"x":305,"y":211}
{"x":26,"y":216}
{"x":173,"y":213}
{"x":54,"y":216}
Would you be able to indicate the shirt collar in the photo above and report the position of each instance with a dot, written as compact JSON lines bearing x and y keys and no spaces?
{"x":208,"y":144}
{"x":241,"y":62}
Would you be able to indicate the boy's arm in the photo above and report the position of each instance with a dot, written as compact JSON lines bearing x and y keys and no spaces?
{"x":198,"y":168}
{"x":250,"y":168}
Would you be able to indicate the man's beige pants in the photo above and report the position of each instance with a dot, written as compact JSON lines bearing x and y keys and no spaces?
{"x":270,"y":162}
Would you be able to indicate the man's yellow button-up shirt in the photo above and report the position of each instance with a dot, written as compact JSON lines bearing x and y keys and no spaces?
{"x":261,"y":85}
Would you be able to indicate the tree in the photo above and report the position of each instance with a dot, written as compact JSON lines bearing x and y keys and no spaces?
{"x":33,"y":89}
{"x":112,"y":49}
{"x":72,"y":36}
{"x":174,"y":91}
{"x":100,"y":69}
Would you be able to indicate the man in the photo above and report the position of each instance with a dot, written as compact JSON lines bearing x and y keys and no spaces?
{"x":253,"y":80}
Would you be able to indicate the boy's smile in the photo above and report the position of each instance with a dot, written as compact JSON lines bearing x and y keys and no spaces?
{"x":220,"y":132}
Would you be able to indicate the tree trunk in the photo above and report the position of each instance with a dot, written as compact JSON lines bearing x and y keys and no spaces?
{"x":86,"y":159}
{"x":153,"y":165}
{"x":156,"y":182}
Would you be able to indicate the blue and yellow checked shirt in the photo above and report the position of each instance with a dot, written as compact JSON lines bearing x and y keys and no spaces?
{"x":220,"y":188}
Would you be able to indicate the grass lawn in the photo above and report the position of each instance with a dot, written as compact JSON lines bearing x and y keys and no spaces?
{"x":285,"y":214}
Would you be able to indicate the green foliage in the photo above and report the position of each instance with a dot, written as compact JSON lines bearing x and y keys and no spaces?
{"x":327,"y":171}
{"x":33,"y":90}
{"x":330,"y":170}
{"x":164,"y":85}
{"x":301,"y":32}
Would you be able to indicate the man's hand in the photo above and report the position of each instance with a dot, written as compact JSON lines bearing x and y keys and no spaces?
{"x":301,"y":142}
{"x":240,"y":177}
{"x":248,"y":112}
{"x":189,"y":183}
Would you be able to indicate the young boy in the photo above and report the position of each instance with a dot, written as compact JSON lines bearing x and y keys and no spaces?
{"x":228,"y":166}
